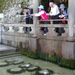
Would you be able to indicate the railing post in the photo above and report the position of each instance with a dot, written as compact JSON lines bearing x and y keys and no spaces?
{"x":51,"y":22}
{"x":0,"y":32}
{"x":21,"y":30}
{"x":3,"y":30}
{"x":10,"y":29}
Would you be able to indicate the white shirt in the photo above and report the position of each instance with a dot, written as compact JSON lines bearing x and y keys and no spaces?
{"x":39,"y":14}
{"x":54,"y":10}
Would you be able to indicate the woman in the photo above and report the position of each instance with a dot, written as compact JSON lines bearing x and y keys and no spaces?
{"x":63,"y":13}
{"x":43,"y":15}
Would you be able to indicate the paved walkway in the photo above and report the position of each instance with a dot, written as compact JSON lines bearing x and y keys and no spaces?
{"x":4,"y":48}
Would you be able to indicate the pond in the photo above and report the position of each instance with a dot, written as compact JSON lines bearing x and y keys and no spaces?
{"x":20,"y":62}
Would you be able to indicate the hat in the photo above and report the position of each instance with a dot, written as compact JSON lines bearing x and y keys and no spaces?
{"x":41,"y":7}
{"x":62,"y":6}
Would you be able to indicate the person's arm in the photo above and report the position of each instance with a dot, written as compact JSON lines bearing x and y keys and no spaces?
{"x":66,"y":15}
{"x":48,"y":14}
{"x":38,"y":14}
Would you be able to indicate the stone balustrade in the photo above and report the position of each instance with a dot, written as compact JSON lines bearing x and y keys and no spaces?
{"x":19,"y":28}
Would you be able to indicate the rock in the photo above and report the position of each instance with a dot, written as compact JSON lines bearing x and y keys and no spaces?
{"x":25,"y":66}
{"x":3,"y":64}
{"x":44,"y":72}
{"x":15,"y":70}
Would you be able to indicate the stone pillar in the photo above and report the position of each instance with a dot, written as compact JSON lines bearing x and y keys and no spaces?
{"x":0,"y":33}
{"x":71,"y":21}
{"x":35,"y":10}
{"x":68,"y":48}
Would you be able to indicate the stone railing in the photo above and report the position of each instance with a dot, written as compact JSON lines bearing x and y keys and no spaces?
{"x":15,"y":28}
{"x":13,"y":34}
{"x":19,"y":28}
{"x":52,"y":27}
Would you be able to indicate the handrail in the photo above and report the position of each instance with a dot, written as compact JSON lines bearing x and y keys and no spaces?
{"x":53,"y":25}
{"x":54,"y":20}
{"x":19,"y":25}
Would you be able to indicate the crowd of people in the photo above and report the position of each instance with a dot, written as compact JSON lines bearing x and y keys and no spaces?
{"x":55,"y":13}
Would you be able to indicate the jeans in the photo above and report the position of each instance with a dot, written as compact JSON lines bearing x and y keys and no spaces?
{"x":58,"y":30}
{"x":45,"y":29}
{"x":28,"y":21}
{"x":55,"y":17}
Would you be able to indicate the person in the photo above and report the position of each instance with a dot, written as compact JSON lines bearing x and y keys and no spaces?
{"x":42,"y":13}
{"x":63,"y":13}
{"x":54,"y":14}
{"x":28,"y":18}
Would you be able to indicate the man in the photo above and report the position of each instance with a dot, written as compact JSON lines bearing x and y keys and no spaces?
{"x":28,"y":18}
{"x":54,"y":13}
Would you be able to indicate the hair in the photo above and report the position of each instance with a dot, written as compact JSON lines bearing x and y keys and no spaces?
{"x":51,"y":3}
{"x":26,"y":8}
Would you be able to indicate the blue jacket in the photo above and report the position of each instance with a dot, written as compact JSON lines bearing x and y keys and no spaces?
{"x":65,"y":13}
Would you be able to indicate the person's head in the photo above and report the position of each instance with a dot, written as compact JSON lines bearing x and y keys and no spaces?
{"x":62,"y":7}
{"x":51,"y":4}
{"x":41,"y":7}
{"x":26,"y":9}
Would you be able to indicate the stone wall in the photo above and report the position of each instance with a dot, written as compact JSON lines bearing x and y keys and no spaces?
{"x":51,"y":43}
{"x":15,"y":39}
{"x":43,"y":45}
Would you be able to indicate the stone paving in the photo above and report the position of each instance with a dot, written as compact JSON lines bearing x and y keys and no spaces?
{"x":6,"y":49}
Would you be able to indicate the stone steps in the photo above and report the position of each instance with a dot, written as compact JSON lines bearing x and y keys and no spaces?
{"x":6,"y":49}
{"x":10,"y":53}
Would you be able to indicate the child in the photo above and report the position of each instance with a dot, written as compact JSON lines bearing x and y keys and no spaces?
{"x":42,"y":14}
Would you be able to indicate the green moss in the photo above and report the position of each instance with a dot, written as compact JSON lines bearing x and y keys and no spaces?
{"x":55,"y":59}
{"x":52,"y":59}
{"x":23,"y":51}
{"x":32,"y":55}
{"x":43,"y":56}
{"x":67,"y":63}
{"x":72,"y":64}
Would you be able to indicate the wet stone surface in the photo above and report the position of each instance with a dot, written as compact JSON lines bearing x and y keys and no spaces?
{"x":44,"y":65}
